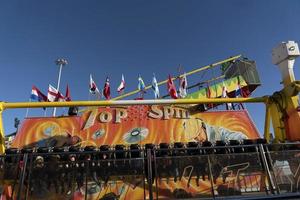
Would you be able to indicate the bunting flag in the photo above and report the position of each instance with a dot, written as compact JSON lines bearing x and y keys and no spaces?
{"x":208,"y":95}
{"x":239,"y":92}
{"x":155,"y":88}
{"x":37,"y":95}
{"x":172,"y":88}
{"x":93,"y":87}
{"x":183,"y":86}
{"x":224,"y":95}
{"x":122,"y":85}
{"x":141,"y":85}
{"x":68,"y":96}
{"x":106,"y":89}
{"x":54,"y":94}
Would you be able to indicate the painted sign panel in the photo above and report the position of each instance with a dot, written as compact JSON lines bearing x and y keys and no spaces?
{"x":135,"y":124}
{"x":175,"y":177}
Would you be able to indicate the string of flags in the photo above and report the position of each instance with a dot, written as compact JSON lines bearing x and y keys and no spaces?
{"x":54,"y":95}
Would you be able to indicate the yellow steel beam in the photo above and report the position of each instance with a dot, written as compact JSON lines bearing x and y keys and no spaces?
{"x":2,"y":135}
{"x":277,"y":122}
{"x":187,"y":74}
{"x":267,"y":123}
{"x":7,"y":105}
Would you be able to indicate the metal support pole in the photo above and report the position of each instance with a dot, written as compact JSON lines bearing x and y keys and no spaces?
{"x":61,"y":62}
{"x":266,"y":166}
{"x":211,"y":178}
{"x":269,"y":159}
{"x":87,"y":172}
{"x":22,"y":176}
{"x":149,"y":180}
{"x":29,"y":177}
{"x":155,"y":170}
{"x":58,"y":83}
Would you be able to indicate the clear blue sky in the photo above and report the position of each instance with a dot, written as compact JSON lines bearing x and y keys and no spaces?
{"x":135,"y":37}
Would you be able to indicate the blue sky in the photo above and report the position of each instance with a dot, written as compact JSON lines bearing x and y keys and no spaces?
{"x":108,"y":38}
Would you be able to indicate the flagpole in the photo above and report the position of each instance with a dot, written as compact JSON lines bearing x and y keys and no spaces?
{"x":60,"y":62}
{"x":27,"y":109}
{"x":45,"y":112}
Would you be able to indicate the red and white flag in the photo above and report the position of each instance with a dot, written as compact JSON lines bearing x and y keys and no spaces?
{"x":54,"y":94}
{"x":37,"y":95}
{"x":93,"y":87}
{"x":183,"y":86}
{"x":122,"y":85}
{"x":68,"y":95}
{"x":172,"y":88}
{"x":106,"y":89}
{"x":208,"y":95}
{"x":224,"y":95}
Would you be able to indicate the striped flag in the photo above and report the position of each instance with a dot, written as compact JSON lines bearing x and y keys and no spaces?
{"x":106,"y":89}
{"x":155,"y":88}
{"x":122,"y":85}
{"x":68,"y":96}
{"x":54,"y":94}
{"x":37,"y":95}
{"x":93,"y":87}
{"x":141,"y":84}
{"x":208,"y":95}
{"x":172,"y":88}
{"x":183,"y":86}
{"x":224,"y":95}
{"x":239,"y":92}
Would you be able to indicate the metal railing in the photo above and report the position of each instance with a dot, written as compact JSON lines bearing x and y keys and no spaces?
{"x":241,"y":171}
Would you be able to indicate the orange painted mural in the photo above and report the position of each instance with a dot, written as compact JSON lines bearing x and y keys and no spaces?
{"x":174,"y":177}
{"x":135,"y":124}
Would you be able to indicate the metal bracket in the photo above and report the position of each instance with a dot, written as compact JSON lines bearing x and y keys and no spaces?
{"x":292,"y":89}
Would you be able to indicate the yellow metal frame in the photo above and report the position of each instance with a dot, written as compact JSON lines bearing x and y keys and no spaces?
{"x":267,"y":122}
{"x":2,"y":135}
{"x":187,"y":74}
{"x":6,"y":105}
{"x":274,"y":110}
